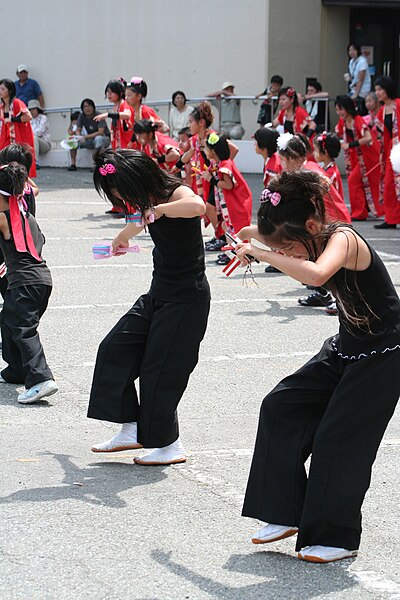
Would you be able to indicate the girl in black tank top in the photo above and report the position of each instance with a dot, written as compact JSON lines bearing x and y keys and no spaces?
{"x":338,"y":405}
{"x":28,"y":290}
{"x":158,"y":340}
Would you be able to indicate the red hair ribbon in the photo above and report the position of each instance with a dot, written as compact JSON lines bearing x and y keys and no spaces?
{"x":16,"y":214}
{"x":291,"y":92}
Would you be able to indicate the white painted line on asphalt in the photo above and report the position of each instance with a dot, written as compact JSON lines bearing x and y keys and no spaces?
{"x":386,"y":255}
{"x":96,"y":266}
{"x":374,"y":582}
{"x":397,"y":240}
{"x":64,"y":202}
{"x":114,"y":304}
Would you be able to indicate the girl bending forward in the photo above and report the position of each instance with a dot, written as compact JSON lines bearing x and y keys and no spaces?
{"x":338,"y":405}
{"x":157,"y":340}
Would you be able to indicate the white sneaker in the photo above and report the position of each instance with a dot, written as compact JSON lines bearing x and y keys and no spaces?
{"x":38,"y":391}
{"x":325,"y":554}
{"x":126,"y":439}
{"x":169,"y":455}
{"x":273,"y":533}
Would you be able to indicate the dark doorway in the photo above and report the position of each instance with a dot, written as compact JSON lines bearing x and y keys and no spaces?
{"x":378,"y":28}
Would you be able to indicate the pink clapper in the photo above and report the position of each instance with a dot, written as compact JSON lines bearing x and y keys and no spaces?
{"x":104,"y":250}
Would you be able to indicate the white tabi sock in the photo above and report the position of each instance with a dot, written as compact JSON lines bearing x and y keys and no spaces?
{"x":169,"y":455}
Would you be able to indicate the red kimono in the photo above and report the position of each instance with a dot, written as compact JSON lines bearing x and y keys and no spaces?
{"x":121,"y":130}
{"x":390,"y":181}
{"x":163,"y":145}
{"x":362,"y":169}
{"x":332,"y":171}
{"x":336,"y":210}
{"x":235,"y":204}
{"x":15,"y":132}
{"x":272,"y":167}
{"x":301,"y":120}
{"x":200,"y":185}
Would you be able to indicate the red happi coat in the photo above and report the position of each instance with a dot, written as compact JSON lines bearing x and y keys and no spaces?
{"x":390,"y":181}
{"x":15,"y":132}
{"x":145,"y":112}
{"x":362,"y":168}
{"x":163,"y":145}
{"x":238,"y":200}
{"x":121,"y":131}
{"x":332,"y":171}
{"x":200,"y":185}
{"x":335,"y":207}
{"x":273,"y":166}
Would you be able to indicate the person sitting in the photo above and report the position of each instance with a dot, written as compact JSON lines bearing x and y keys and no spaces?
{"x":93,"y":134}
{"x":231,"y":125}
{"x":41,"y":130}
{"x":26,"y":88}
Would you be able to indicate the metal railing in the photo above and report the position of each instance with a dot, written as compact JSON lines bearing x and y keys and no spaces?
{"x":249,"y":111}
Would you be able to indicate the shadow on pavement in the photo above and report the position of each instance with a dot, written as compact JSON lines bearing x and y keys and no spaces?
{"x":282,"y":576}
{"x":98,"y":483}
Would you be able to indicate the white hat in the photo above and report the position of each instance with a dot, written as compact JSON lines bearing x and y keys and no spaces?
{"x":34,"y":104}
{"x":227,"y":84}
{"x":22,"y":67}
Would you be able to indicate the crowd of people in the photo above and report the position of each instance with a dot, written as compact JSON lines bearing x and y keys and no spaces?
{"x":167,"y":180}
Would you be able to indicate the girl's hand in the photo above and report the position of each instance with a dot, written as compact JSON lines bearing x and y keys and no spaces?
{"x":244,"y":248}
{"x":345,"y":146}
{"x":150,"y":215}
{"x":119,"y":243}
{"x":7,"y":120}
{"x":206,"y":175}
{"x":100,"y":117}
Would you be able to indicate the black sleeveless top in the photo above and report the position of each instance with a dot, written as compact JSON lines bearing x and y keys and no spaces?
{"x":374,"y":288}
{"x":178,"y":255}
{"x":22,"y":268}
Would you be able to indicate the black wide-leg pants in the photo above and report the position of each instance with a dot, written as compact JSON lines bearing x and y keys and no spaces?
{"x":157,"y":342}
{"x":22,"y":349}
{"x":337,"y":410}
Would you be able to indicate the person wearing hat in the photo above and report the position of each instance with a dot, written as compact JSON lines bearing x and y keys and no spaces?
{"x":27,"y":89}
{"x":231,"y":125}
{"x":41,"y":131}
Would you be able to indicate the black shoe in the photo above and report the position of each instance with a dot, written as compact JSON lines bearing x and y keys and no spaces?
{"x":223,"y":260}
{"x":316,"y":299}
{"x":271,"y":269}
{"x":357,"y":220}
{"x":72,"y":168}
{"x":217,"y":245}
{"x":385,"y":225}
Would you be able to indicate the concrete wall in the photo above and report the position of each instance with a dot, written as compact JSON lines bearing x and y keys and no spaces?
{"x":294,"y":41}
{"x":73,"y":47}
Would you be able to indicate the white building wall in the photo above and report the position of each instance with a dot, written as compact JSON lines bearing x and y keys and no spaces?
{"x":73,"y":47}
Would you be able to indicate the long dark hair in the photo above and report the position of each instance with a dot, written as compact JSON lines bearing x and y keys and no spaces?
{"x":145,"y":126}
{"x":13,"y":178}
{"x":302,"y":198}
{"x":137,"y":179}
{"x":10,"y":85}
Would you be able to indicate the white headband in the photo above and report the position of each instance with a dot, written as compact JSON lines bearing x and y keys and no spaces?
{"x":5,"y":193}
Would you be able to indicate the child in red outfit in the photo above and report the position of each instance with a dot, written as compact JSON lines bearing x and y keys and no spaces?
{"x":326,"y":149}
{"x":232,"y":194}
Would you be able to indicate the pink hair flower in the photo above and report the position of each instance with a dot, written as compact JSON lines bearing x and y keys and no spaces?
{"x":107,"y":169}
{"x":268,"y":196}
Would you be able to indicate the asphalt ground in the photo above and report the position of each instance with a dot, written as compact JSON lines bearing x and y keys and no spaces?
{"x":97,"y":527}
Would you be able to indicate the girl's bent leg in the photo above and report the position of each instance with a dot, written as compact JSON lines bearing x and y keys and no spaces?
{"x":113,"y":396}
{"x":344,"y":449}
{"x":289,"y":417}
{"x":171,"y":354}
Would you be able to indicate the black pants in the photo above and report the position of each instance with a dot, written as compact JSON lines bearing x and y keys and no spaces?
{"x":337,"y":410}
{"x":22,"y":349}
{"x":157,"y":342}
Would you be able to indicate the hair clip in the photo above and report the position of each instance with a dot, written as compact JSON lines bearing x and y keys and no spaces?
{"x":107,"y":169}
{"x":322,"y":139}
{"x":283,"y":140}
{"x":268,"y":196}
{"x":213,"y":139}
{"x":291,"y":92}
